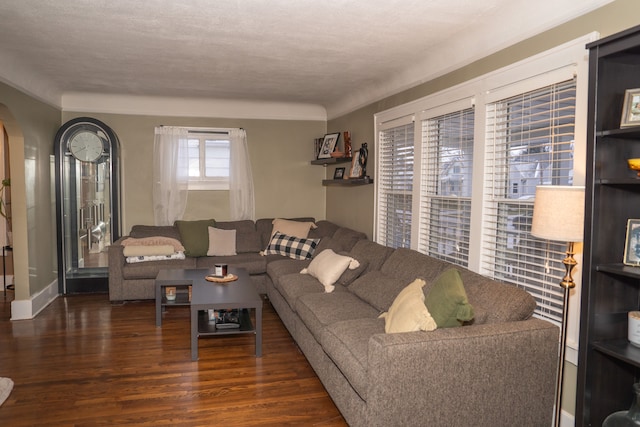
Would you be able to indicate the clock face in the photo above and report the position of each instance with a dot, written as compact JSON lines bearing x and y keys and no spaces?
{"x":86,"y":146}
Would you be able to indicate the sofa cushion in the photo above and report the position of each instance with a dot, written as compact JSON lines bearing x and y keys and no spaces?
{"x":298,"y":229}
{"x":347,"y":344}
{"x":317,"y":310}
{"x":328,"y":266}
{"x":221,"y":242}
{"x":323,"y":229}
{"x":345,"y":238}
{"x":149,"y":270}
{"x":292,"y":247}
{"x":253,"y":263}
{"x":264,"y":226}
{"x":495,"y":301}
{"x":194,"y":235}
{"x":374,"y":253}
{"x":293,"y":286}
{"x":142,"y":231}
{"x":409,"y":265}
{"x":408,"y":313}
{"x":247,"y":238}
{"x":350,"y":274}
{"x":447,"y":301}
{"x":281,"y":267}
{"x":378,"y":289}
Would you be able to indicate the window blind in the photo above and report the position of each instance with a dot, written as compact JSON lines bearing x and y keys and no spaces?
{"x":395,"y":185}
{"x":529,"y":142}
{"x":446,"y":180}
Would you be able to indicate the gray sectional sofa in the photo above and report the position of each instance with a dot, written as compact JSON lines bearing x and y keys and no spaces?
{"x":495,"y":370}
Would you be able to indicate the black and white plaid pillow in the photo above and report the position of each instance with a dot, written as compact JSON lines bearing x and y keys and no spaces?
{"x":292,"y":247}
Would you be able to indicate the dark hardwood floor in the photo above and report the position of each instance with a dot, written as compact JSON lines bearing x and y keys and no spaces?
{"x":84,"y":362}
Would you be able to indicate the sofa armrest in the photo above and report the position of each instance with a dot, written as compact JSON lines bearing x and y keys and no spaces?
{"x":116,"y":265}
{"x":485,"y":375}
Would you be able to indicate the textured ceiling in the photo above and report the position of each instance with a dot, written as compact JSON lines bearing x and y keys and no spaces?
{"x":332,"y":53}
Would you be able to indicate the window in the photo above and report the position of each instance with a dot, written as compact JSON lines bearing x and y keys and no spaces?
{"x":529,"y":142}
{"x":446,"y":178}
{"x":395,"y":184}
{"x":209,"y":153}
{"x":462,"y":188}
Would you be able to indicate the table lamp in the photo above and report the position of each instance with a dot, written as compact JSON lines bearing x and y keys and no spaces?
{"x":558,"y":214}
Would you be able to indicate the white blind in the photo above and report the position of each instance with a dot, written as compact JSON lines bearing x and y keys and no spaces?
{"x":395,"y":185}
{"x":529,"y":141}
{"x":446,"y":180}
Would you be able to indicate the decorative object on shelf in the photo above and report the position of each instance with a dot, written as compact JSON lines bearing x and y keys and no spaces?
{"x":338,"y":173}
{"x":632,"y":243}
{"x":630,"y":418}
{"x":347,"y":144}
{"x":633,"y":328}
{"x":337,"y":154}
{"x":328,"y":145}
{"x":225,"y":279}
{"x":631,"y":108}
{"x":170,"y":292}
{"x":634,"y":164}
{"x":558,"y":214}
{"x":317,"y":146}
{"x":359,"y":162}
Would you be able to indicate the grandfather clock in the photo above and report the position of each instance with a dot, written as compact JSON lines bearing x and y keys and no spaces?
{"x":87,"y":203}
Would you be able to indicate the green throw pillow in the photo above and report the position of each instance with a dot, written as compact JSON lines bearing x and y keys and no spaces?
{"x":447,"y":300}
{"x":194,"y":236}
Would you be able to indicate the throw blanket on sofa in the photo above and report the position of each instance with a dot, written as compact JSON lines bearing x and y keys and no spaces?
{"x":154,"y":241}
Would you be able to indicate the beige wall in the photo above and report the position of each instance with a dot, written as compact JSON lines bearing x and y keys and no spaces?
{"x":280,"y":151}
{"x":31,"y":126}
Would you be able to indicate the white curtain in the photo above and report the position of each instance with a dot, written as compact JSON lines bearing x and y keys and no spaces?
{"x":170,"y":174}
{"x":241,"y":199}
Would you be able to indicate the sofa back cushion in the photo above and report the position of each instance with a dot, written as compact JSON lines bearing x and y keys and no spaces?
{"x":499,"y":302}
{"x":373,"y":253}
{"x":264,"y":227}
{"x":142,"y":231}
{"x":194,"y":235}
{"x":378,"y":289}
{"x":248,"y":240}
{"x":345,"y":238}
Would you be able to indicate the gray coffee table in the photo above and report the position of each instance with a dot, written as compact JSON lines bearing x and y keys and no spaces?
{"x":205,"y":295}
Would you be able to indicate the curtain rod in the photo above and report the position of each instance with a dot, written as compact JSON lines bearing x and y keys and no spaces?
{"x":206,"y":130}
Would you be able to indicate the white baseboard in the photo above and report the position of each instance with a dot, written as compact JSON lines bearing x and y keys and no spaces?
{"x":29,"y":308}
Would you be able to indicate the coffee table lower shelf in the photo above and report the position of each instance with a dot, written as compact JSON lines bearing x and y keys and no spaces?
{"x":207,"y":328}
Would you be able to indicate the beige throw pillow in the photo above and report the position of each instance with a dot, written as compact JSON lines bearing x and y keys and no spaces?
{"x":221,"y":242}
{"x":292,"y":228}
{"x":328,"y":266}
{"x":408,"y":312}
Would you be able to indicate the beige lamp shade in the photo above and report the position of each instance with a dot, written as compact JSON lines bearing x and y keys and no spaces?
{"x":558,"y":213}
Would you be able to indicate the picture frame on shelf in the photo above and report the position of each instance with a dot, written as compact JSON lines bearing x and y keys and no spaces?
{"x":631,"y":108}
{"x":338,"y":173}
{"x":329,"y":143}
{"x":632,"y":243}
{"x":356,"y":170}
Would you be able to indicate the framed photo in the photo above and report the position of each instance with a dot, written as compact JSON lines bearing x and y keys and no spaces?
{"x":338,"y":173}
{"x":356,"y":168}
{"x":631,"y":108}
{"x":632,"y":243}
{"x":328,"y":145}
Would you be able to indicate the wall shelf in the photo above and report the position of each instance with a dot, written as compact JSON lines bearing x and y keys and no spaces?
{"x":331,"y":161}
{"x":351,"y":182}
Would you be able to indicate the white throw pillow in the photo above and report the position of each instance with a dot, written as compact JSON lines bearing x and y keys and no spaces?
{"x":408,"y":312}
{"x":328,"y":266}
{"x":297,"y":229}
{"x":221,"y":242}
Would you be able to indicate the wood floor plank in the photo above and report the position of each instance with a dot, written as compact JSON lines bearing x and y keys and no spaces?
{"x":86,"y":362}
